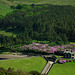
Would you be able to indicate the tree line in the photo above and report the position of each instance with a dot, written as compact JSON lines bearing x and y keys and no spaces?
{"x":53,"y":23}
{"x":11,"y":41}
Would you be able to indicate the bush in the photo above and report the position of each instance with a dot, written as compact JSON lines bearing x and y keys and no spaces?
{"x":58,"y":52}
{"x":11,"y":0}
{"x":73,"y":60}
{"x":68,"y":60}
{"x":35,"y":73}
{"x":11,"y":71}
{"x":61,"y":61}
{"x":52,"y":44}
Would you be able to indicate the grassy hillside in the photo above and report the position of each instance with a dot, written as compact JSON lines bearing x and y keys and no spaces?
{"x":5,"y":4}
{"x":59,"y":2}
{"x":4,"y":7}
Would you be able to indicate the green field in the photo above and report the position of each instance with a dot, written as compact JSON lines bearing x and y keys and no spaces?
{"x":5,"y":4}
{"x":37,"y":64}
{"x":63,"y":69}
{"x":4,"y":7}
{"x":27,"y":64}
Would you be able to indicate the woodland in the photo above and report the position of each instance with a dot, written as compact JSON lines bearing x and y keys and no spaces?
{"x":53,"y":23}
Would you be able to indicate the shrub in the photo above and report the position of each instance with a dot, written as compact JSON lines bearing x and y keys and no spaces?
{"x":73,"y":60}
{"x":52,"y":44}
{"x":11,"y":71}
{"x":68,"y":60}
{"x":58,"y":52}
{"x":11,"y":0}
{"x":35,"y":73}
{"x":61,"y":61}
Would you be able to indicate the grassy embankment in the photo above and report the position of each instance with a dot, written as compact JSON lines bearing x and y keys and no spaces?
{"x":27,"y":64}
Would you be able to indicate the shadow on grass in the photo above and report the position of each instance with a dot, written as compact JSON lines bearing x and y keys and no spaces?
{"x":3,"y":58}
{"x":11,"y":31}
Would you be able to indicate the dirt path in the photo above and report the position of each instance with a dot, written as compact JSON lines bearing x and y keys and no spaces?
{"x":6,"y":57}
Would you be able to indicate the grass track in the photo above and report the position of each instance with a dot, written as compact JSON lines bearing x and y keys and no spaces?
{"x":27,"y":64}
